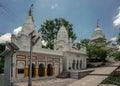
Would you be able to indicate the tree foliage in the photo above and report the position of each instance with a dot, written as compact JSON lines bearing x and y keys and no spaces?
{"x":117,"y":55}
{"x":50,"y":28}
{"x":118,"y":39}
{"x":83,"y":42}
{"x":96,"y":53}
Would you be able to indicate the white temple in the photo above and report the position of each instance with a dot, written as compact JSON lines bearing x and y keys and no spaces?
{"x":97,"y":33}
{"x":98,"y":38}
{"x":45,"y":62}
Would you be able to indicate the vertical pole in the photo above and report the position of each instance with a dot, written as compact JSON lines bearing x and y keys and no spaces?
{"x":11,"y":70}
{"x":30,"y":65}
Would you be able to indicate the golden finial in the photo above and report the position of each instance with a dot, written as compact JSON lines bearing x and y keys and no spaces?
{"x":30,"y":12}
{"x":62,"y":22}
{"x":97,"y":22}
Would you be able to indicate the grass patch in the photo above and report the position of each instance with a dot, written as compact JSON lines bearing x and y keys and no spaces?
{"x":114,"y":78}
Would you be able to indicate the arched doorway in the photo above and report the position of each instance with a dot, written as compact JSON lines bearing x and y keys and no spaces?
{"x":73,"y":64}
{"x":49,"y":70}
{"x":20,"y":69}
{"x":41,"y":69}
{"x":77,"y":65}
{"x":33,"y":68}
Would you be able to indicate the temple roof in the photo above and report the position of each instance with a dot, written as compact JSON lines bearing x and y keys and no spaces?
{"x":62,"y":30}
{"x":97,"y":33}
{"x":29,"y":24}
{"x":62,"y":34}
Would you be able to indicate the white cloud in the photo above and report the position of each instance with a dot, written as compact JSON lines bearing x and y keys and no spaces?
{"x":116,"y":22}
{"x":7,"y":36}
{"x":17,"y":30}
{"x":113,"y":39}
{"x":54,"y":6}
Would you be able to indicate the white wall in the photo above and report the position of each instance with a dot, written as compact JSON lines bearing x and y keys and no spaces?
{"x":69,"y":57}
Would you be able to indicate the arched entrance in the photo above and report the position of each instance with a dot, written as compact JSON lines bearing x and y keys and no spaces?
{"x":20,"y":70}
{"x":77,"y":65}
{"x":33,"y":68}
{"x":73,"y":64}
{"x":49,"y":70}
{"x":41,"y":69}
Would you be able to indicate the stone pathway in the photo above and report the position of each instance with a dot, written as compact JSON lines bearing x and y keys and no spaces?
{"x":52,"y":82}
{"x":96,"y":77}
{"x":93,"y":79}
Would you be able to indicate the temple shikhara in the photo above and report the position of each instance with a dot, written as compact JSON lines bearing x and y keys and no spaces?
{"x":98,"y":37}
{"x":45,"y":62}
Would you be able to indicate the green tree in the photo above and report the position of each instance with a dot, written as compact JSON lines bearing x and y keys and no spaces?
{"x":118,"y":39}
{"x":85,"y":42}
{"x":2,"y":48}
{"x":50,"y":28}
{"x":117,"y":55}
{"x":96,"y":53}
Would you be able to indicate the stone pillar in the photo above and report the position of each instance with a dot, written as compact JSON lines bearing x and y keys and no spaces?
{"x":79,"y":64}
{"x":75,"y":64}
{"x":36,"y":72}
{"x":26,"y":72}
{"x":84,"y":63}
{"x":70,"y":64}
{"x":45,"y":71}
{"x":53,"y":71}
{"x":59,"y":70}
{"x":16,"y":72}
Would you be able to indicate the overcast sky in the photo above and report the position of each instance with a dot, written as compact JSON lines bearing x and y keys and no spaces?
{"x":83,"y":14}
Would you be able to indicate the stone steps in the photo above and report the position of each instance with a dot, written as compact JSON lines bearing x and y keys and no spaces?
{"x":64,"y":75}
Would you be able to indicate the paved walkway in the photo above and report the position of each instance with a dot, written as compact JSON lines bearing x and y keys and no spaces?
{"x":51,"y":82}
{"x":96,"y":77}
{"x":93,"y":79}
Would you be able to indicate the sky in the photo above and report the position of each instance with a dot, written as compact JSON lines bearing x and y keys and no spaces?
{"x":83,"y":14}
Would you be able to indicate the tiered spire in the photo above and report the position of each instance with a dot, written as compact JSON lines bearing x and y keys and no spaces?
{"x":97,"y":32}
{"x":62,"y":22}
{"x":28,"y":26}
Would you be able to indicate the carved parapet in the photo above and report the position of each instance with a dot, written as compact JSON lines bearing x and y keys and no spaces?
{"x":16,"y":72}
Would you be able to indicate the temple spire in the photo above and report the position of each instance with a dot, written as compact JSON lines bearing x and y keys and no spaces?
{"x":97,"y":22}
{"x":62,"y":22}
{"x":30,"y":12}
